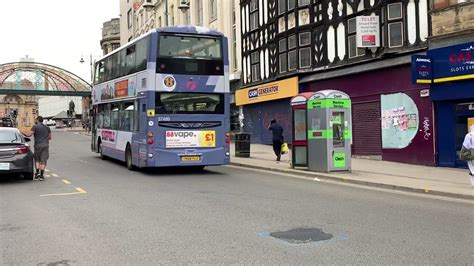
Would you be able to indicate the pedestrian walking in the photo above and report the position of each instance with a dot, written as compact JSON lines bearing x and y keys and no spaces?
{"x":468,"y":145}
{"x":278,"y":139}
{"x":42,"y":136}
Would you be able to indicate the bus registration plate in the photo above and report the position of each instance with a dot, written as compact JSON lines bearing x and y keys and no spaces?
{"x":190,"y":158}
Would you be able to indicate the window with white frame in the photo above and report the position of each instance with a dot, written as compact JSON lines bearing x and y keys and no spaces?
{"x":255,"y":66}
{"x":395,"y":25}
{"x":354,"y":51}
{"x":199,"y":12}
{"x":253,"y":15}
{"x":283,"y":57}
{"x":291,"y":4}
{"x":305,"y":49}
{"x":172,"y":15}
{"x":213,"y":9}
{"x":292,"y":53}
{"x":234,"y":39}
{"x":303,"y":2}
{"x":281,"y":6}
{"x":129,"y":18}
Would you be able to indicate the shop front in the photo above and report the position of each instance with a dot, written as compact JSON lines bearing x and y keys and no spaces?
{"x":392,"y":119}
{"x":452,"y":91}
{"x":262,"y":103}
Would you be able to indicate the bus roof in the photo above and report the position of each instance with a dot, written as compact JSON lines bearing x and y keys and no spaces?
{"x":170,"y":29}
{"x":190,"y":29}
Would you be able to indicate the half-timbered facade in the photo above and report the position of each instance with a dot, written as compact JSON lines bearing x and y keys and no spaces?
{"x":315,"y":41}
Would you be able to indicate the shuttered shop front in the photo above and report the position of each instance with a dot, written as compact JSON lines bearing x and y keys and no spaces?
{"x":367,"y":133}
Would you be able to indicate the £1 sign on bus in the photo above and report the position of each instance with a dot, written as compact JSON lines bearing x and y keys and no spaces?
{"x":190,"y":139}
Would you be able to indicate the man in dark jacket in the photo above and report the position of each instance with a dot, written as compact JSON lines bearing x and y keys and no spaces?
{"x":278,"y":139}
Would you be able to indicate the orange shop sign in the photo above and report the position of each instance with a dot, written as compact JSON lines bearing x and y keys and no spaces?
{"x":267,"y":92}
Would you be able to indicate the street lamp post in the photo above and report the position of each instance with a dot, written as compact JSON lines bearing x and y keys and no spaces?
{"x":91,"y":63}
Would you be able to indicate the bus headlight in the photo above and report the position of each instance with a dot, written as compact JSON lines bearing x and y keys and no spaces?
{"x":150,"y":155}
{"x":227,"y":153}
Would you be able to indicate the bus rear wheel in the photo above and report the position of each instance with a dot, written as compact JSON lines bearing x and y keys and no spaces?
{"x":128,"y":159}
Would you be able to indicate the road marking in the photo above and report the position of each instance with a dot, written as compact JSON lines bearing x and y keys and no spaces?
{"x":82,"y":161}
{"x":65,"y":181}
{"x":81,"y":190}
{"x":47,"y":170}
{"x":316,"y":179}
{"x":55,"y":175}
{"x":47,"y":175}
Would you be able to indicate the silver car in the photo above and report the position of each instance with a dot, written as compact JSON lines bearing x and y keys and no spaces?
{"x":15,"y":154}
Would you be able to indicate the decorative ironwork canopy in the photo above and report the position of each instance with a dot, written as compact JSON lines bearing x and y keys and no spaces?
{"x":40,"y":79}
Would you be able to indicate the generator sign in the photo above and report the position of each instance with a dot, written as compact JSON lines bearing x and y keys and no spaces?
{"x":267,"y":92}
{"x":190,"y":139}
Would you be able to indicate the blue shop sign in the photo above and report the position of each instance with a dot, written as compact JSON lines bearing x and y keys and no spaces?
{"x":453,"y":62}
{"x":421,"y":69}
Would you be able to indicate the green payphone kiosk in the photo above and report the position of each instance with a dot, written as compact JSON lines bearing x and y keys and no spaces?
{"x":329,"y":131}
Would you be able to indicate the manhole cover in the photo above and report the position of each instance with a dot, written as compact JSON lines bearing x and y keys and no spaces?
{"x":302,"y":235}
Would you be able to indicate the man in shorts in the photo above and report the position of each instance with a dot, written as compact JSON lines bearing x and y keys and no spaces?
{"x":42,"y":135}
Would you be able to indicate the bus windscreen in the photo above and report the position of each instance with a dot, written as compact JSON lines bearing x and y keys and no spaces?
{"x":189,"y":103}
{"x":189,"y":47}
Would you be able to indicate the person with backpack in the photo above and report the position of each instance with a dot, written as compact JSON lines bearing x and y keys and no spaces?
{"x":42,"y":135}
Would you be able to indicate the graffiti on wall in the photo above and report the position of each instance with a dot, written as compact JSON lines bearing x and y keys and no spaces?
{"x":426,"y":129}
{"x":400,"y":120}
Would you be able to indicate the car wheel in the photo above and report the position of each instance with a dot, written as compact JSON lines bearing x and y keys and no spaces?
{"x":99,"y":147}
{"x":128,"y":159}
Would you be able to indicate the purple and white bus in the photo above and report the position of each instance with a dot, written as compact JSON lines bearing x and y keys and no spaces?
{"x":163,"y":100}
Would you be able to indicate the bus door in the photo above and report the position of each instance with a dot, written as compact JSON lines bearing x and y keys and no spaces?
{"x":93,"y":124}
{"x":139,"y":141}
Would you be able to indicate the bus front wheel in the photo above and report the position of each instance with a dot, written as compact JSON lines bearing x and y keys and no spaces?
{"x":128,"y":159}
{"x":101,"y":153}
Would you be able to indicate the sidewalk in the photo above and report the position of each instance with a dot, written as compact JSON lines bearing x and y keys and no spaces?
{"x":423,"y":179}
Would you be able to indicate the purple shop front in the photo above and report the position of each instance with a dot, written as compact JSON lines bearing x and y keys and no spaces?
{"x":392,"y":118}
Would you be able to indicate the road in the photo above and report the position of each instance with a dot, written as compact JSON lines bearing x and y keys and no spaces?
{"x":105,"y":214}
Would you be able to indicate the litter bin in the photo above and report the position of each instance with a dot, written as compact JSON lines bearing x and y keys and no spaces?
{"x":242,"y":145}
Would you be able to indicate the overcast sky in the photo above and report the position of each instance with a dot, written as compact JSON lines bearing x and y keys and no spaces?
{"x":56,"y":32}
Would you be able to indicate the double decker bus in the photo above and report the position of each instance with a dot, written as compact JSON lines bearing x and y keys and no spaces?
{"x":163,"y":100}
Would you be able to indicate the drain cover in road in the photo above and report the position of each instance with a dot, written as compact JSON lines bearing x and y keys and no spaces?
{"x":302,"y":235}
